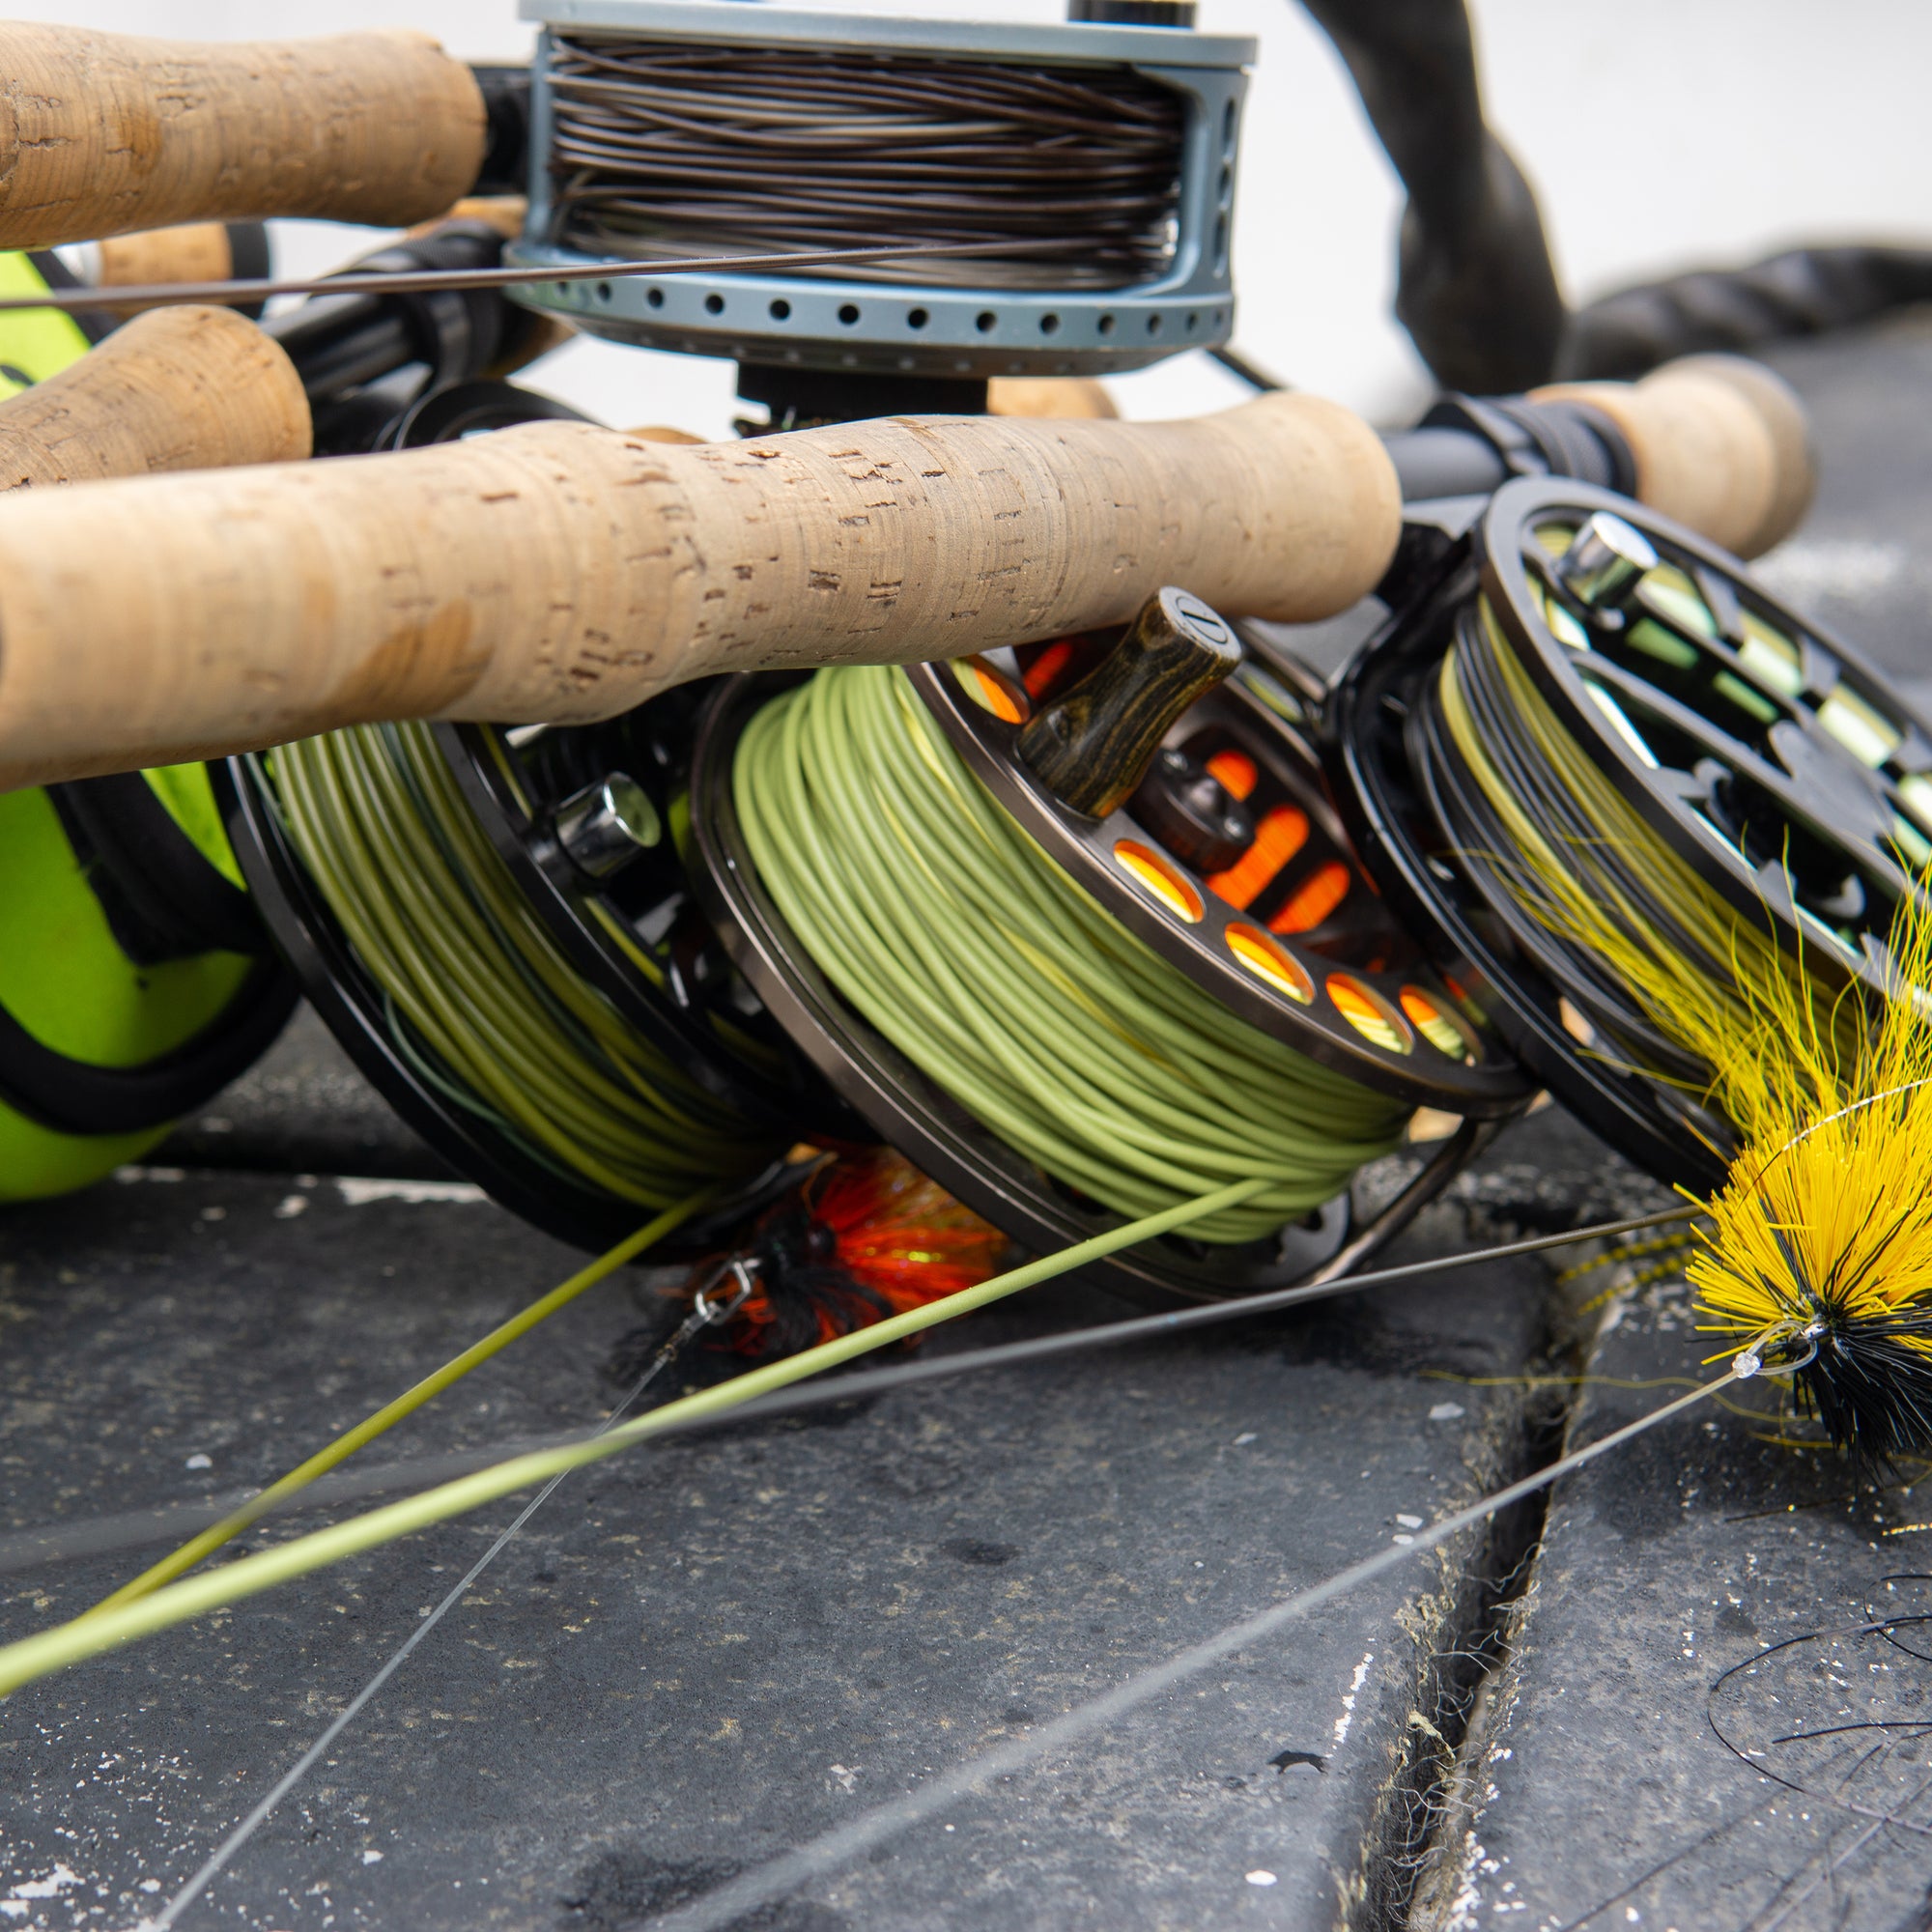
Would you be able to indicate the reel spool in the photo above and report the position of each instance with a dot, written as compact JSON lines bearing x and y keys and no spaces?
{"x":1757,"y":752}
{"x":1192,"y":811}
{"x":1091,"y":167}
{"x":136,"y":981}
{"x":572,"y":831}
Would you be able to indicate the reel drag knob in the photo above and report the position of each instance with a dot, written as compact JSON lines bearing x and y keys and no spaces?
{"x":600,"y":829}
{"x":1093,"y":746}
{"x":1606,"y":560}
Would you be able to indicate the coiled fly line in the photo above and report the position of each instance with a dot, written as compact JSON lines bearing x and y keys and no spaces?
{"x":1071,"y":174}
{"x":1649,"y":953}
{"x":478,"y":996}
{"x":1007,"y":984}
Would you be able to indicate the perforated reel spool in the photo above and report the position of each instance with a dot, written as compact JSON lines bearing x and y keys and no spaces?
{"x":729,"y":183}
{"x":1749,"y":739}
{"x":589,"y":819}
{"x":1227,"y":859}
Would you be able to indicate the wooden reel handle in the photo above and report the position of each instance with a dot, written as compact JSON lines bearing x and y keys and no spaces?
{"x":1721,"y":444}
{"x":176,"y":388}
{"x":101,"y":133}
{"x":563,"y":572}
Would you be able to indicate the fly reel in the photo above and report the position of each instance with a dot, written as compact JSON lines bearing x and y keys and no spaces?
{"x":1187,"y":805}
{"x":545,"y":859}
{"x":1574,"y":674}
{"x":1086,"y":171}
{"x":137,"y":980}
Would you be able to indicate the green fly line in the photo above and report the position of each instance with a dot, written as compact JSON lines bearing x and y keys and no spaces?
{"x":481,"y":1001}
{"x":1011,"y":988}
{"x":1662,"y":954}
{"x":128,"y":1617}
{"x":197,"y":1549}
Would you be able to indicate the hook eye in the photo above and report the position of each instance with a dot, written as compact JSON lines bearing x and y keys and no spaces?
{"x":707,"y":1305}
{"x":1750,"y":1360}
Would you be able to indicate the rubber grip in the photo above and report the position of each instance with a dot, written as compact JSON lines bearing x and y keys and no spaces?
{"x":1720,"y":443}
{"x":566,"y":573}
{"x":176,"y":388}
{"x":103,"y":133}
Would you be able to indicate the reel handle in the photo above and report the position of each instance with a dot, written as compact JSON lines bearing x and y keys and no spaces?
{"x":1092,"y":747}
{"x":566,"y":573}
{"x":1720,"y":445}
{"x":100,"y":134}
{"x":176,"y":388}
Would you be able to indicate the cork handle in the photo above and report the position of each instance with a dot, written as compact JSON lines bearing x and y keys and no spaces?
{"x":177,"y":388}
{"x":1720,"y":445}
{"x":101,"y":133}
{"x":563,"y":572}
{"x":195,"y":251}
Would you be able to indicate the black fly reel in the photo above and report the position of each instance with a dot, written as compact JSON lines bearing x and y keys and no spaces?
{"x":1590,"y":635}
{"x":585,"y":824}
{"x":1190,"y":804}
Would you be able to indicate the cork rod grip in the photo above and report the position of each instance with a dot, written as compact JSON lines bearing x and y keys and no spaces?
{"x":563,"y":572}
{"x":1720,"y":443}
{"x":177,"y":388}
{"x":101,"y":133}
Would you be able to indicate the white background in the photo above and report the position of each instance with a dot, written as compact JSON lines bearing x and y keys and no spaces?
{"x":1660,"y":133}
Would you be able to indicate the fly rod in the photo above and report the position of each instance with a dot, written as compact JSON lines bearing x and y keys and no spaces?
{"x":565,"y":573}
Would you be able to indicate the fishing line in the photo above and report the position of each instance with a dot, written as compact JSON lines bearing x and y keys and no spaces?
{"x":175,"y":1603}
{"x":278,"y":1493}
{"x":57,"y":1543}
{"x":474,"y":997}
{"x":738,"y":1898}
{"x":1069,"y":177}
{"x":998,"y":977}
{"x":706,"y":1312}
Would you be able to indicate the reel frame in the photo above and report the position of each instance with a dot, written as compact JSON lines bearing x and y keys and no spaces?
{"x":1389,"y":762}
